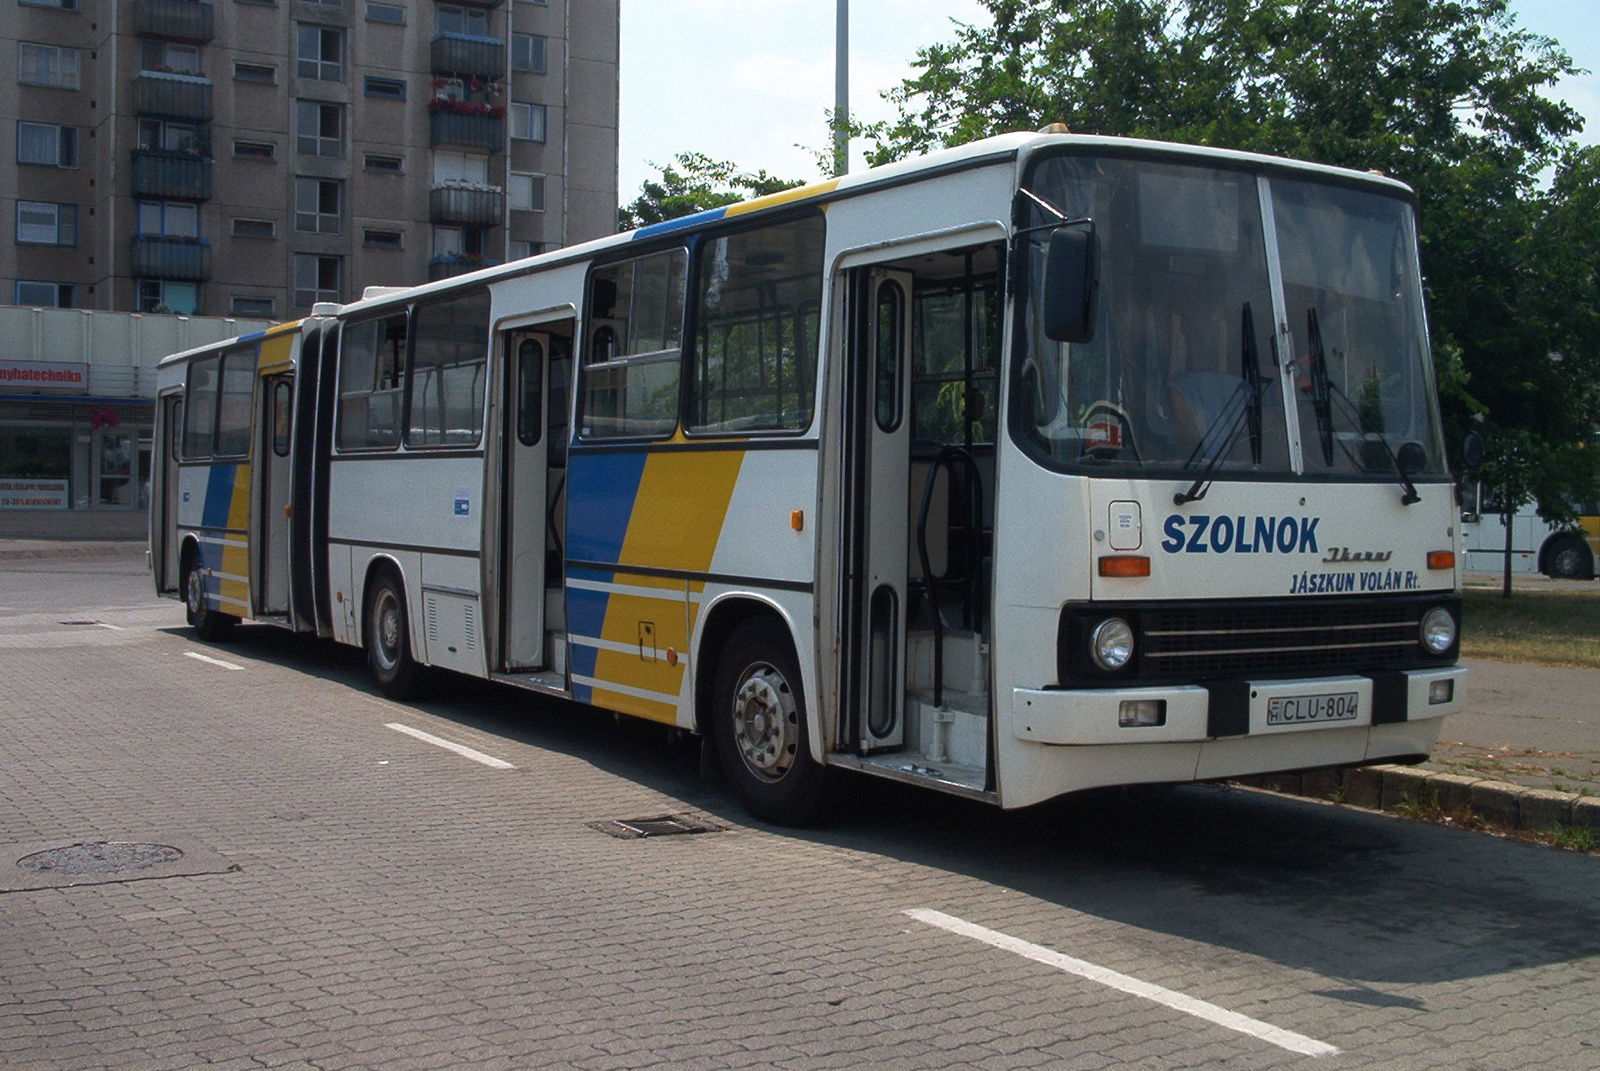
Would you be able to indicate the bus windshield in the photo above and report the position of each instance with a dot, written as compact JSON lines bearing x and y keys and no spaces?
{"x":1185,"y":373}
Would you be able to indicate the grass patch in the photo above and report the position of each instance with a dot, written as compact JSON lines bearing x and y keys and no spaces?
{"x":1552,"y":628}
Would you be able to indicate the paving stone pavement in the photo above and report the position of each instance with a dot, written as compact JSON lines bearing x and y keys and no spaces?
{"x":362,"y":899}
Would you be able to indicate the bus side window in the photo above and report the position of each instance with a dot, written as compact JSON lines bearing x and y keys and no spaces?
{"x":632,"y":370}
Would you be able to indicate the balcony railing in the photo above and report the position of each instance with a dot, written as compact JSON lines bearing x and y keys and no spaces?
{"x":481,"y":206}
{"x":157,"y":256}
{"x":171,"y":175}
{"x":469,"y":131}
{"x":456,"y":264}
{"x":465,"y":55}
{"x":185,"y":20}
{"x":173,"y":96}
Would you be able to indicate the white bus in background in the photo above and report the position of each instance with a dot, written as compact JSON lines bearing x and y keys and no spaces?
{"x":1536,"y":546}
{"x":1039,"y":464}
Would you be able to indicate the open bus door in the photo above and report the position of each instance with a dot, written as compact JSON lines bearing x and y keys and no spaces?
{"x":877,"y":474}
{"x":272,"y":548}
{"x":164,"y":499}
{"x":538,"y":361}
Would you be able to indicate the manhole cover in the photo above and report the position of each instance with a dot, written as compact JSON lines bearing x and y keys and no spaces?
{"x":666,"y":825}
{"x":101,"y":857}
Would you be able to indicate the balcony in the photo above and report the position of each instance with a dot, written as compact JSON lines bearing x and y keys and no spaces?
{"x":485,"y":131}
{"x":158,"y":256}
{"x":182,"y":20}
{"x":472,"y":206}
{"x":452,"y":264}
{"x":171,"y":175}
{"x":465,"y":55}
{"x":184,"y":97}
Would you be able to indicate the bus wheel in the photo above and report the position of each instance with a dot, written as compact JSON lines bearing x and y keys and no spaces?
{"x":759,"y":722}
{"x":1569,"y":560}
{"x":388,"y":636}
{"x":208,"y":624}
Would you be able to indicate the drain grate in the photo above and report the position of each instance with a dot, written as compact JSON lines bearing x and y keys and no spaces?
{"x":666,"y":825}
{"x":100,"y":857}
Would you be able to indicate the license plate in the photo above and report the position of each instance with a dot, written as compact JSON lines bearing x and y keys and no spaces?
{"x":1310,"y":709}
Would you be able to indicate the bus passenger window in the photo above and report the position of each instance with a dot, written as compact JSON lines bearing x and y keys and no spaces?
{"x":372,"y":361}
{"x":632,"y":369}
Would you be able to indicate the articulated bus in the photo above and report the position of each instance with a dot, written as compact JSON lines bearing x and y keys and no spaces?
{"x":1044,"y":463}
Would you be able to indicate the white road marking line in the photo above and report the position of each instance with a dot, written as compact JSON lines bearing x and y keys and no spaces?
{"x":114,"y":628}
{"x":211,"y":661}
{"x":460,"y":749}
{"x":1284,"y":1039}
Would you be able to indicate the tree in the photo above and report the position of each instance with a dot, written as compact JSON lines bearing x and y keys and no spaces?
{"x":1443,"y":94}
{"x":692,"y":183}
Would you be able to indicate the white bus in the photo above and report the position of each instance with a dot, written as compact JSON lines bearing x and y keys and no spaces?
{"x":1043,"y":463}
{"x":1536,"y":546}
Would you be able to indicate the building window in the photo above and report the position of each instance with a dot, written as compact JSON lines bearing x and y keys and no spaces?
{"x":390,"y":88}
{"x":527,"y":121}
{"x":171,"y":137}
{"x":462,"y":20}
{"x":255,"y":150}
{"x":453,"y":167}
{"x":168,"y":57}
{"x":468,"y":242}
{"x":46,"y":295}
{"x":59,"y":5}
{"x":43,"y":223}
{"x":377,"y":162}
{"x":522,"y":248}
{"x":527,"y":192}
{"x":159,"y":295}
{"x":381,"y":239}
{"x":265,"y":73}
{"x":260,"y":308}
{"x":169,"y":219}
{"x":315,"y":279}
{"x":319,"y":129}
{"x":527,"y":52}
{"x":254,"y":228}
{"x":316,"y":205}
{"x":47,"y":144}
{"x":47,"y":65}
{"x":394,"y":14}
{"x":320,"y":53}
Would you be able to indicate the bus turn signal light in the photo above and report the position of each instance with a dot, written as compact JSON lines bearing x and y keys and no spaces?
{"x":1125,"y":565}
{"x":1441,"y":559}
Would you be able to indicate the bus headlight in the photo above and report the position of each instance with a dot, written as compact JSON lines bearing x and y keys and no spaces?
{"x":1111,"y":644}
{"x":1438,"y":631}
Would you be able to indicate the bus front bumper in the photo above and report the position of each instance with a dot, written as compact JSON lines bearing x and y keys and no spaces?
{"x":1234,"y":709}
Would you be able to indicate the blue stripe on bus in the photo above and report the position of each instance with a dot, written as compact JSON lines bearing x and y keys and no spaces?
{"x":708,"y":216}
{"x":219,"y":497}
{"x":601,"y":490}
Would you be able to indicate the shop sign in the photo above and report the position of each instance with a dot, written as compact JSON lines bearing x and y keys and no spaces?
{"x":36,"y":376}
{"x":25,"y":493}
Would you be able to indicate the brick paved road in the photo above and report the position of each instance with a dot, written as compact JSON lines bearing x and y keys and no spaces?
{"x":354,"y":897}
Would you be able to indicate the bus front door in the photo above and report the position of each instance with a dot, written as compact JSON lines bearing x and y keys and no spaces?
{"x":533,"y":495}
{"x":273,"y":543}
{"x":877,"y":478}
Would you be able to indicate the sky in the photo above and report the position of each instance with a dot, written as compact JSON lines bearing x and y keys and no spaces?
{"x":750,"y":81}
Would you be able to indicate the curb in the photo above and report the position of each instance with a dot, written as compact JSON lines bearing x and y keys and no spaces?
{"x":1427,"y":794}
{"x":30,"y":549}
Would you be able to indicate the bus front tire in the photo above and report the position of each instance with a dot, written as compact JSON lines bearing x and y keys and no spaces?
{"x":388,"y":637}
{"x":759,"y":724}
{"x":208,"y":624}
{"x":1568,"y":559}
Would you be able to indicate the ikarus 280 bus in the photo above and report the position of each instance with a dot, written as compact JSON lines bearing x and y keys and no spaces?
{"x":1044,"y":463}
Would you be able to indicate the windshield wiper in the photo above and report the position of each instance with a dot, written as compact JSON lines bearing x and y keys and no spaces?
{"x":1242,"y":407}
{"x":1323,"y":394}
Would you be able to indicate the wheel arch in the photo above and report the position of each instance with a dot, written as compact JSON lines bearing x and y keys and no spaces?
{"x":380,"y":563}
{"x":722,"y":618}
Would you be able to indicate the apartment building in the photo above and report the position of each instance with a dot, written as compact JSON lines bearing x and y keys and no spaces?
{"x":248,"y":158}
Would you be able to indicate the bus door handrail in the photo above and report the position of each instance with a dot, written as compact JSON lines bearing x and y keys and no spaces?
{"x":952,"y":456}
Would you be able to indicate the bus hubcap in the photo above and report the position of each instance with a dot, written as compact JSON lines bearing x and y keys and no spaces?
{"x":765,"y":723}
{"x":388,"y":630}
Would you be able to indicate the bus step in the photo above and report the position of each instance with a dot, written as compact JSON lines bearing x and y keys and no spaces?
{"x":915,"y":768}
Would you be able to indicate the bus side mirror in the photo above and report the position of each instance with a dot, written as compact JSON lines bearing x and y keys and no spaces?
{"x":1071,"y":285}
{"x":1472,"y":452}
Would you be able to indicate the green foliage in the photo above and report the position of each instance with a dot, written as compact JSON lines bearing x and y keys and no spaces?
{"x":692,"y":183}
{"x":1442,"y":94}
